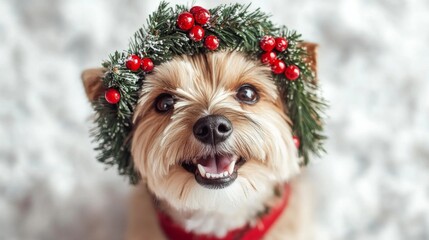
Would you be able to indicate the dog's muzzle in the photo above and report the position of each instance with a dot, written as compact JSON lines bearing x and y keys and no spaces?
{"x":216,"y":170}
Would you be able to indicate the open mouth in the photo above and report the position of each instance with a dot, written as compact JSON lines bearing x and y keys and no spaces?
{"x":217,"y":171}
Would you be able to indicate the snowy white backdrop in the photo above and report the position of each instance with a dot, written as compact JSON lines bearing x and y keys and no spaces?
{"x":374,"y":68}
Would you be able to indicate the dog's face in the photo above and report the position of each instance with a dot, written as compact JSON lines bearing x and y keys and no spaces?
{"x":210,"y":132}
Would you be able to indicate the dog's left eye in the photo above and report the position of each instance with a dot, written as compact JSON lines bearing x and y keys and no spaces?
{"x":247,"y":94}
{"x":164,"y":102}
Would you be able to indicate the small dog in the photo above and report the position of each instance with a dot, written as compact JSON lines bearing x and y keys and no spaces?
{"x":213,"y":144}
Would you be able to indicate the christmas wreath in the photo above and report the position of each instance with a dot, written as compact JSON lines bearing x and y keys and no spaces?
{"x":172,"y":31}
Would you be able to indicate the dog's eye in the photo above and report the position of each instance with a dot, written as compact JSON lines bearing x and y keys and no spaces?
{"x":164,"y":102}
{"x":247,"y":94}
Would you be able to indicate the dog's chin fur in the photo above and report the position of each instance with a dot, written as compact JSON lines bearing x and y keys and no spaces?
{"x":203,"y":85}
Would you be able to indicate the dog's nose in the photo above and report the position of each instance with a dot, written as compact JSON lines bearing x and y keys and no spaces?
{"x":212,"y":129}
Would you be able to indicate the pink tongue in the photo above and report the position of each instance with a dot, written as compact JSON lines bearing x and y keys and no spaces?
{"x":217,"y":164}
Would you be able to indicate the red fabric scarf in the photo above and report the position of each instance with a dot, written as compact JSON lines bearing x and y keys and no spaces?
{"x":175,"y":232}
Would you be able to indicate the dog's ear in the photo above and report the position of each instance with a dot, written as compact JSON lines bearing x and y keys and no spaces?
{"x":92,"y":81}
{"x":311,"y":58}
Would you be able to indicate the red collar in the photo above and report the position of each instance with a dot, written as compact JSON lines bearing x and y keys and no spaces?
{"x":176,"y":232}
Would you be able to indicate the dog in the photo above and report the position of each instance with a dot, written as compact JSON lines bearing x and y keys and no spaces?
{"x":212,"y":142}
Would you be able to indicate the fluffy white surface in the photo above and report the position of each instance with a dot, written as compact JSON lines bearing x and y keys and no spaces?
{"x":374,"y":68}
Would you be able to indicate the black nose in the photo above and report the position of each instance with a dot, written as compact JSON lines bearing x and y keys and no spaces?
{"x":212,"y":129}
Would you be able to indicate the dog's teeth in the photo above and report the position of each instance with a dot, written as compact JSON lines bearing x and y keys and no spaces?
{"x":201,"y":169}
{"x":231,"y":167}
{"x":212,"y":175}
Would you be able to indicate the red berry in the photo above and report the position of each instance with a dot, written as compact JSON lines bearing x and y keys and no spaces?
{"x":281,"y":44}
{"x":194,"y":9}
{"x":202,"y":16}
{"x":196,"y":33}
{"x":267,"y":43}
{"x":185,"y":21}
{"x":296,"y":141}
{"x":278,"y":66}
{"x":133,"y":62}
{"x":292,"y":72}
{"x":211,"y":42}
{"x":147,"y":64}
{"x":268,"y":58}
{"x":112,"y":96}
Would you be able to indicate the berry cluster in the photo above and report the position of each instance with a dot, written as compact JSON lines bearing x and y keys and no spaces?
{"x":193,"y":22}
{"x":268,"y":44}
{"x":133,"y":63}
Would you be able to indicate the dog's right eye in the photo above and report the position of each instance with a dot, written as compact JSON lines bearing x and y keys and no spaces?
{"x":164,"y":102}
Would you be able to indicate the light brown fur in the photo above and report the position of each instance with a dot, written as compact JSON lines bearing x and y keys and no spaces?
{"x":204,"y":85}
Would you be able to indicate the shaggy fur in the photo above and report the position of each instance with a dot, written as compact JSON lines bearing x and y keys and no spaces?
{"x":203,"y":85}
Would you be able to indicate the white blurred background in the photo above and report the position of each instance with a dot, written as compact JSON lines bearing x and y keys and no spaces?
{"x":374,"y":69}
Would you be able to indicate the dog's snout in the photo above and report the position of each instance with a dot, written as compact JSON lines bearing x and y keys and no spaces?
{"x":212,"y":129}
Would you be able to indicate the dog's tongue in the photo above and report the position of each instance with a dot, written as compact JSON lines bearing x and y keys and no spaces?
{"x":216,"y":164}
